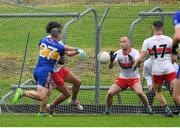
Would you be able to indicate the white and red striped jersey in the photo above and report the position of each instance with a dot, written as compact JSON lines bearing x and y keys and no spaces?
{"x":159,"y":48}
{"x":126,"y":64}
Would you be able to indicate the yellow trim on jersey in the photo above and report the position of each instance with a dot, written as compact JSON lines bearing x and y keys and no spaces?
{"x":46,"y":53}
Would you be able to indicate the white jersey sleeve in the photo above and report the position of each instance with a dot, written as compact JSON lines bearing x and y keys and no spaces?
{"x":136,"y":54}
{"x":144,"y":46}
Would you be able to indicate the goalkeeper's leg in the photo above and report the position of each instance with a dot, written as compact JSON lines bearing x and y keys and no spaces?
{"x":109,"y":98}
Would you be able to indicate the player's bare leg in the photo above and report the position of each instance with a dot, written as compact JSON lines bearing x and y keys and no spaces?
{"x":114,"y":89}
{"x":162,"y":100}
{"x":137,"y":88}
{"x":59,"y":99}
{"x":43,"y":104}
{"x":40,"y":94}
{"x":75,"y":81}
{"x":176,"y":90}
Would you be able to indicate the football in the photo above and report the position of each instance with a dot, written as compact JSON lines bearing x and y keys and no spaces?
{"x":103,"y":57}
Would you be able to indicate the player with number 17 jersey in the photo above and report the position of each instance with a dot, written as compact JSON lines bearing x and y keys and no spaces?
{"x":159,"y":48}
{"x":50,"y":49}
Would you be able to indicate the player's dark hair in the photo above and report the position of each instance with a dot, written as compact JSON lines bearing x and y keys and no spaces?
{"x":158,"y":25}
{"x":52,"y":25}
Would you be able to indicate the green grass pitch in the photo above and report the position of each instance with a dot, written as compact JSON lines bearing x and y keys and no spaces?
{"x":88,"y":121}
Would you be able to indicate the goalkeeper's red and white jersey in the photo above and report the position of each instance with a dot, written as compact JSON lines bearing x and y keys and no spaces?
{"x":159,"y":48}
{"x":126,"y":64}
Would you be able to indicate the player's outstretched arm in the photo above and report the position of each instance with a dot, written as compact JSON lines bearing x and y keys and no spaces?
{"x":72,"y":51}
{"x":138,"y":61}
{"x":69,"y":48}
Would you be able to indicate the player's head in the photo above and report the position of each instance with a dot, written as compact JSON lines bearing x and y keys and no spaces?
{"x":52,"y":25}
{"x":157,"y":27}
{"x":125,"y":43}
{"x":56,"y":33}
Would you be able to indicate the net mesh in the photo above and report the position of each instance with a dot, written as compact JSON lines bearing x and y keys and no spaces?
{"x":80,"y":34}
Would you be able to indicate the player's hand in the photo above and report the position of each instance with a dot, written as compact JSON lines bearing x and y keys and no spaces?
{"x":112,"y":55}
{"x":81,"y":52}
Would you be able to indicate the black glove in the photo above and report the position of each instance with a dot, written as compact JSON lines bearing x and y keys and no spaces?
{"x":131,"y":59}
{"x":112,"y":56}
{"x":61,"y":60}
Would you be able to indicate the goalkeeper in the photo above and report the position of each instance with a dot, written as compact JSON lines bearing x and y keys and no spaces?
{"x":128,"y":78}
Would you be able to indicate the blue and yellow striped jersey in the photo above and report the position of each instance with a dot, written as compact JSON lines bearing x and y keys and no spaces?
{"x":49,"y":50}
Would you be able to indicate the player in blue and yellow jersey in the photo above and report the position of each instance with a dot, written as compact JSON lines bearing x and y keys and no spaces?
{"x":49,"y":52}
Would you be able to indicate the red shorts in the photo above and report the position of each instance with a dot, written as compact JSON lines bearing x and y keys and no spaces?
{"x":125,"y":83}
{"x":158,"y":79}
{"x":58,"y":77}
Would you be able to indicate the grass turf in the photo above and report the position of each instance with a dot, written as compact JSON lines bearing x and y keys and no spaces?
{"x":89,"y":120}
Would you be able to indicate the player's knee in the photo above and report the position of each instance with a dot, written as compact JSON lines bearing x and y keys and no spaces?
{"x":140,"y":93}
{"x":77,"y":83}
{"x":109,"y":94}
{"x":67,"y":95}
{"x":42,"y":97}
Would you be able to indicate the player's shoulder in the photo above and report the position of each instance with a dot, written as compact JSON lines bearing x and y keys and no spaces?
{"x":149,"y":39}
{"x":133,"y":50}
{"x":43,"y":40}
{"x":168,"y":38}
{"x":60,"y":42}
{"x":118,"y":51}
